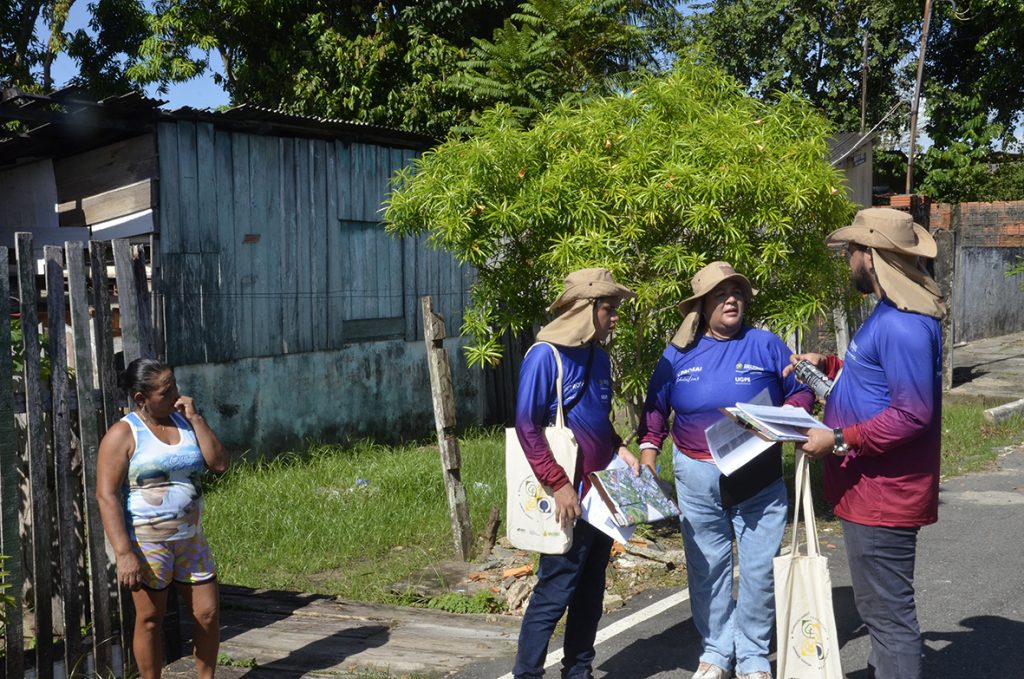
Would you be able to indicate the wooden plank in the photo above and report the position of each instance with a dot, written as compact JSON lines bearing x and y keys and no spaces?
{"x":188,"y":188}
{"x":305,"y":226}
{"x":114,"y":403}
{"x":88,"y":428}
{"x":336,"y":252}
{"x":265,"y":164}
{"x":356,"y":177}
{"x":113,"y":400}
{"x":287,"y":285}
{"x":66,"y":481}
{"x":244,"y":198}
{"x":320,"y":222}
{"x":127,"y":300}
{"x":10,"y":493}
{"x":191,"y":332}
{"x":169,"y":223}
{"x":206,"y":235}
{"x":105,"y":168}
{"x":410,"y":302}
{"x":225,"y":346}
{"x":140,"y":284}
{"x":42,"y":575}
{"x":119,"y":202}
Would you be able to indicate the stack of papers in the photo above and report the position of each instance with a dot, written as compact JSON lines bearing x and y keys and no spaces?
{"x":749,"y":429}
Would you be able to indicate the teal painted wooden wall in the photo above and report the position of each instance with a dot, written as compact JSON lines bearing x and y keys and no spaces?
{"x":273,"y":245}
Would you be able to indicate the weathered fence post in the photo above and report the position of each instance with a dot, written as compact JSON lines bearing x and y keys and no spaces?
{"x":89,"y":407}
{"x":66,"y":481}
{"x":112,"y":406}
{"x":444,"y":417}
{"x":10,"y":529}
{"x":41,"y":539}
{"x":944,"y":277}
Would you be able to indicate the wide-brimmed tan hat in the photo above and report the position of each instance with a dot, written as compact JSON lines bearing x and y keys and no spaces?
{"x":703,"y":282}
{"x":589,"y":284}
{"x":887,"y":229}
{"x":896,"y":242}
{"x":574,"y":324}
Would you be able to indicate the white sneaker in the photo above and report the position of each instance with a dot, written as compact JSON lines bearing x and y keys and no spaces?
{"x":708,"y":671}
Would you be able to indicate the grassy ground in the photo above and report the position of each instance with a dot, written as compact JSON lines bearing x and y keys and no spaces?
{"x":353,"y":521}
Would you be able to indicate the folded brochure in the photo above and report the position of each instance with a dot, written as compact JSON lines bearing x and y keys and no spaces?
{"x":632,"y":499}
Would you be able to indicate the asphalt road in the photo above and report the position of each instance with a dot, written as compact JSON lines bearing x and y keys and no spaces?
{"x":970,"y":594}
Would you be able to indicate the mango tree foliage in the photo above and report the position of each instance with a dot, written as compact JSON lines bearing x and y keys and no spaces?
{"x":653,"y":183}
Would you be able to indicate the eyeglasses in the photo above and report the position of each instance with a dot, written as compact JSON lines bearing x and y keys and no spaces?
{"x":851,"y":248}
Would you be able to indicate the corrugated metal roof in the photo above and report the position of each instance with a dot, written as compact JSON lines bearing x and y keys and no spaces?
{"x":845,"y":143}
{"x":66,"y":122}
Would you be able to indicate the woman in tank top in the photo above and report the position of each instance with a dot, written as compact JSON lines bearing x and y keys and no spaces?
{"x":149,"y":488}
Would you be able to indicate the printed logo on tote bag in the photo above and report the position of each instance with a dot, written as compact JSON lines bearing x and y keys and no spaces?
{"x":533,"y":500}
{"x":808,"y":641}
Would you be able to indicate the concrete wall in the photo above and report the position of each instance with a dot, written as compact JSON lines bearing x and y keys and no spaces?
{"x":272,"y":404}
{"x":989,"y":240}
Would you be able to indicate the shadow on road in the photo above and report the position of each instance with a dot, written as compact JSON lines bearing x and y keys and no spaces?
{"x":323,"y":654}
{"x":675,"y":647}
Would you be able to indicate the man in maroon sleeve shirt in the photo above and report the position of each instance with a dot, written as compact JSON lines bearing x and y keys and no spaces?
{"x":881,"y":459}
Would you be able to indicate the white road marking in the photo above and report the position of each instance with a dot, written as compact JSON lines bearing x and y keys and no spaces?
{"x":620,"y":626}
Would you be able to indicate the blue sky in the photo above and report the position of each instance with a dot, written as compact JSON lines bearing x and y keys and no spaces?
{"x":199,"y":92}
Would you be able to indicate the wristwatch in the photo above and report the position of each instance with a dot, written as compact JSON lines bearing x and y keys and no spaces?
{"x":839,"y":446}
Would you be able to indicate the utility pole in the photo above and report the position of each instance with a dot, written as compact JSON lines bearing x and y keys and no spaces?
{"x":917,"y":95}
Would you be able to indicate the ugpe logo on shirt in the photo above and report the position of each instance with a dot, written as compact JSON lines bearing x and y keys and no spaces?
{"x":807,"y":639}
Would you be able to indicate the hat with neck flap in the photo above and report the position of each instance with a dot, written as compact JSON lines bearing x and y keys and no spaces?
{"x":896,"y":243}
{"x":704,"y":281}
{"x":574,"y":324}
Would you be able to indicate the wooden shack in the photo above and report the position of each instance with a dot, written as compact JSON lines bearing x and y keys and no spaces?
{"x":285,"y":308}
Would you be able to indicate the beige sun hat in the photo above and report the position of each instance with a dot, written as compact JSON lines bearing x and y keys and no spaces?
{"x":887,"y":229}
{"x":703,"y":282}
{"x":896,"y":242}
{"x":574,"y":324}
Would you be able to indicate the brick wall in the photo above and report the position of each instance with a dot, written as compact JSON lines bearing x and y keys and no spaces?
{"x":991,"y":225}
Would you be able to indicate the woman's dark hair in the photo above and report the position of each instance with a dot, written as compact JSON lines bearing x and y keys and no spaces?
{"x":140,"y":375}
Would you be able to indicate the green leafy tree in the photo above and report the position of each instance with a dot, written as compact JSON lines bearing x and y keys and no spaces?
{"x":974,"y":83}
{"x":554,"y":48}
{"x":653,"y":183}
{"x":416,"y":64}
{"x":814,"y":48}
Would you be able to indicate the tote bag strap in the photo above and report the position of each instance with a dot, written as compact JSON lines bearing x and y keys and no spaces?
{"x":803,"y":502}
{"x":560,"y":414}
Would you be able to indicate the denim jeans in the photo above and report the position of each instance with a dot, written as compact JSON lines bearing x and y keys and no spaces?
{"x":574,"y":580}
{"x":734,"y":631}
{"x":882,"y":571}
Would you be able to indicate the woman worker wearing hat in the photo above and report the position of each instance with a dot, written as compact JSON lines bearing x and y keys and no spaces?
{"x":713,"y":361}
{"x":586,"y":315}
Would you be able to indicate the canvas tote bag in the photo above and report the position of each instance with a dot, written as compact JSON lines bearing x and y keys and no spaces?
{"x":805,"y":621}
{"x":530,"y":508}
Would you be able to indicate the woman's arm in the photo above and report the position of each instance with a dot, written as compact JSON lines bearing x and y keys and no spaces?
{"x":115,"y":451}
{"x":209,"y":445}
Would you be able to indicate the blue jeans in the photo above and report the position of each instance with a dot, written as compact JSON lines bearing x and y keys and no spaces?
{"x":732,"y":630}
{"x":882,"y":571}
{"x":574,"y":580}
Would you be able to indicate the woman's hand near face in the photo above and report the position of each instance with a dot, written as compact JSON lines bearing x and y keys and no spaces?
{"x":186,"y":406}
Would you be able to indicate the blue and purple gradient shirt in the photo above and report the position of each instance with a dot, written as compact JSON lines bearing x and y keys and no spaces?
{"x":589,"y":419}
{"x":888,"y":400}
{"x":711,"y":374}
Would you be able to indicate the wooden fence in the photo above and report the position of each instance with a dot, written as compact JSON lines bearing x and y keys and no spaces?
{"x":51,"y":529}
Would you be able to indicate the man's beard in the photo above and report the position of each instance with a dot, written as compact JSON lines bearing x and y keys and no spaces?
{"x":863,"y":280}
